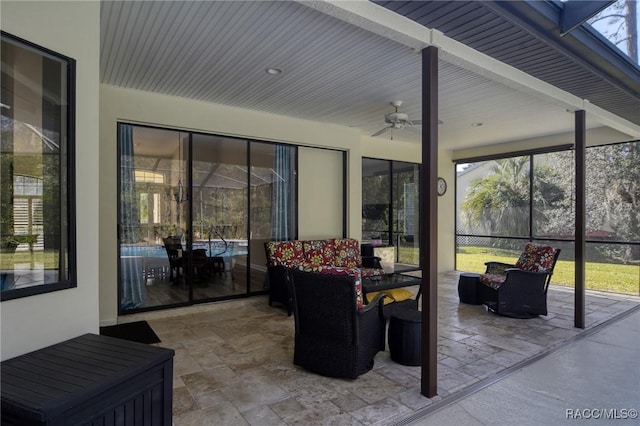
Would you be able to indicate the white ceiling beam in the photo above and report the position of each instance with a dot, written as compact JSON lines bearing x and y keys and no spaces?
{"x":386,"y":23}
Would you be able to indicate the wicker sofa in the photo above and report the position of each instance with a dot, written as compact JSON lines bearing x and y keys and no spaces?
{"x":310,"y":254}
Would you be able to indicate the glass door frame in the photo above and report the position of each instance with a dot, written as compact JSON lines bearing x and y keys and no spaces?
{"x":189,"y":217}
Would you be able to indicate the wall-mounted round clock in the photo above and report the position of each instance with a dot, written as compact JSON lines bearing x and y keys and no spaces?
{"x":442,"y":186}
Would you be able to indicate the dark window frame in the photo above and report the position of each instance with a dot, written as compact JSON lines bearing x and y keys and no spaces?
{"x":249,"y":141}
{"x":67,"y":177}
{"x":391,"y":232}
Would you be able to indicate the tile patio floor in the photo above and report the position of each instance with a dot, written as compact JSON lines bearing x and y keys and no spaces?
{"x":233,"y":362}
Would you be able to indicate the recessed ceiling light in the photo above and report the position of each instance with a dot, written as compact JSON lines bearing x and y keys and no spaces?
{"x":476,"y":124}
{"x":274,"y":71}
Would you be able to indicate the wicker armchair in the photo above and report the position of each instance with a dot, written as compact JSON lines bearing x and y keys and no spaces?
{"x":333,"y":337}
{"x":520,"y":290}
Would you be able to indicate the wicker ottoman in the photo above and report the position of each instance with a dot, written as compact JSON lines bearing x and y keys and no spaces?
{"x":405,"y":328}
{"x":468,"y":288}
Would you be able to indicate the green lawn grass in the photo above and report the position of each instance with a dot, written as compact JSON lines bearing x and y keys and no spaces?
{"x":624,"y":279}
{"x":610,"y":277}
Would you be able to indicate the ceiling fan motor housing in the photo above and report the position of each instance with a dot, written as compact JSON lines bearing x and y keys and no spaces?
{"x":396,"y":117}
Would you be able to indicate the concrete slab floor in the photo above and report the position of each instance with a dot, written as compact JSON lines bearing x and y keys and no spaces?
{"x":595,"y":380}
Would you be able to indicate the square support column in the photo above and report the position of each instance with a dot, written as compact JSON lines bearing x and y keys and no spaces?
{"x":429,"y":222}
{"x":580,"y":245}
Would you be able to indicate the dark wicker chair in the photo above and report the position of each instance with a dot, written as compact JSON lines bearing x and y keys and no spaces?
{"x":173,"y":246}
{"x":332,"y":336}
{"x":519,"y":290}
{"x":278,"y":287}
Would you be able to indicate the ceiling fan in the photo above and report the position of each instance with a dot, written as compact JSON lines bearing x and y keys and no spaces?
{"x":397,"y":120}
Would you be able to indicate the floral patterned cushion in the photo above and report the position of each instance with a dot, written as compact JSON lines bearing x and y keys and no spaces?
{"x":319,"y":252}
{"x":335,"y":270}
{"x":285,"y":253}
{"x":536,"y":258}
{"x":347,"y":252}
{"x":492,"y":280}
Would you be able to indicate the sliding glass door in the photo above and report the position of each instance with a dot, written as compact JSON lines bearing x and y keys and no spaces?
{"x":390,"y":207}
{"x":195,"y":211}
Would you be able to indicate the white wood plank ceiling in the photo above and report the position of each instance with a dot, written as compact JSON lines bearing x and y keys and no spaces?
{"x":218,"y":51}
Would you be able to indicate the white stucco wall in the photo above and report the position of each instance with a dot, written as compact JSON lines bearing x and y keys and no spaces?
{"x":320,"y":189}
{"x":446,"y":213}
{"x":72,"y":29}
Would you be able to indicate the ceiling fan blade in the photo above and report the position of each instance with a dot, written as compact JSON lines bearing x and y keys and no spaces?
{"x":419,"y":122}
{"x":381,"y":131}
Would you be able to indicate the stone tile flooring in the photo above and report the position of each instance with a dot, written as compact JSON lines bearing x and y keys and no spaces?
{"x":233,"y":362}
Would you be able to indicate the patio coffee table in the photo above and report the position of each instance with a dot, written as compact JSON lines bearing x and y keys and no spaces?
{"x":388,"y":282}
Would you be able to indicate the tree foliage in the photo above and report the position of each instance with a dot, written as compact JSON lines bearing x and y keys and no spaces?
{"x":612,"y":197}
{"x":498,"y":203}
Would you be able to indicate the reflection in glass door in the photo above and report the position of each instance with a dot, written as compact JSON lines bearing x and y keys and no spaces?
{"x":153,"y":216}
{"x":390,"y":206}
{"x":406,"y":211}
{"x":220,"y":217}
{"x":273,"y":204}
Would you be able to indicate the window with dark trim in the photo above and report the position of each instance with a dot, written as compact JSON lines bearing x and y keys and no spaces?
{"x":37,"y":223}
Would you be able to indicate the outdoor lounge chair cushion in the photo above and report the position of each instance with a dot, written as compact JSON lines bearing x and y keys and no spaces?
{"x":285,"y":253}
{"x":392,"y":295}
{"x":347,"y":252}
{"x":492,"y":280}
{"x":318,"y":252}
{"x":536,"y":258}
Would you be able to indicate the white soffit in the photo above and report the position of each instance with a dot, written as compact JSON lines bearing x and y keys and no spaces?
{"x":381,"y":21}
{"x":342,"y":64}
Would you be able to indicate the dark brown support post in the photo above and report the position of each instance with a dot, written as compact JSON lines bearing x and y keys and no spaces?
{"x":580,"y":150}
{"x":429,"y":222}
